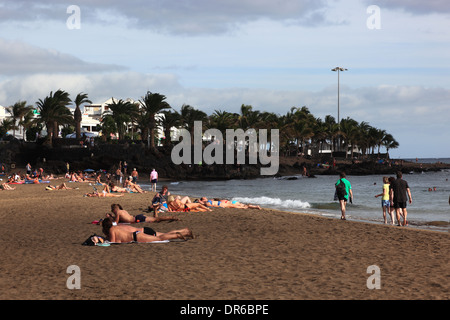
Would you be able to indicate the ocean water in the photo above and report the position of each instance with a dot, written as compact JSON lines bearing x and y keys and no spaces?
{"x":316,"y":196}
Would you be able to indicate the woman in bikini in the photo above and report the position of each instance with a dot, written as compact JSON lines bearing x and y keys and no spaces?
{"x":227,"y":204}
{"x":178,"y":204}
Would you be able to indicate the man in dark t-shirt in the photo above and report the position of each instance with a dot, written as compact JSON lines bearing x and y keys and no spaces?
{"x":399,"y":193}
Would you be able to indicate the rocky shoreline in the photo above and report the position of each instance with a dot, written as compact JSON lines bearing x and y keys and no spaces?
{"x":108,"y":156}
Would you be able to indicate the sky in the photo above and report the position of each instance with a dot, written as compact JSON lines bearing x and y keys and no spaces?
{"x":220,"y":54}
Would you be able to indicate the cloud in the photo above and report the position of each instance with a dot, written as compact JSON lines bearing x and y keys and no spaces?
{"x":17,"y":58}
{"x":193,"y":17}
{"x":415,"y":6}
{"x":100,"y":87}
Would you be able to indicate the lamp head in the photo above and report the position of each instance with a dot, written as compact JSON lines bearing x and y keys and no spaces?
{"x":339,"y":69}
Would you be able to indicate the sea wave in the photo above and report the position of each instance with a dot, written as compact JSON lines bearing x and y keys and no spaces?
{"x":274,"y":202}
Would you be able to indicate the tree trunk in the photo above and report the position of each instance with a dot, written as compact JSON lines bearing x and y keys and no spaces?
{"x":77,"y":117}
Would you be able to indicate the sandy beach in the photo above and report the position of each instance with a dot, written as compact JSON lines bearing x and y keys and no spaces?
{"x":237,"y":255}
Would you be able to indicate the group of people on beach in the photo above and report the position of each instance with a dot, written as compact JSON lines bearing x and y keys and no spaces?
{"x":394,"y":197}
{"x":164,"y":201}
{"x":116,"y":227}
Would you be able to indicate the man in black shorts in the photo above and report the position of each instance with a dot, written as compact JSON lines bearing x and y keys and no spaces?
{"x":399,"y":193}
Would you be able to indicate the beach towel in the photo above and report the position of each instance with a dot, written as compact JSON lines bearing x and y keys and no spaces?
{"x":161,"y":241}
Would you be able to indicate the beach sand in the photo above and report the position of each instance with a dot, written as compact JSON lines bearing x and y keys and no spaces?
{"x":239,"y":254}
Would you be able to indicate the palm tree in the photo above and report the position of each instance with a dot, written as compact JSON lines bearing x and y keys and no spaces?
{"x":18,"y":111}
{"x":188,"y":117}
{"x":53,"y":111}
{"x":108,"y":127}
{"x":303,"y":123}
{"x":122,"y":112}
{"x":152,"y":104}
{"x":349,"y":132}
{"x":169,"y":120}
{"x":389,"y":143}
{"x":62,"y":99}
{"x":221,"y":120}
{"x":27,"y":121}
{"x":320,"y":134}
{"x":5,"y":126}
{"x":79,"y":100}
{"x":363,"y":139}
{"x":248,"y":119}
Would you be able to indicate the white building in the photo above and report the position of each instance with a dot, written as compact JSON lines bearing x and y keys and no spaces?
{"x":92,"y":115}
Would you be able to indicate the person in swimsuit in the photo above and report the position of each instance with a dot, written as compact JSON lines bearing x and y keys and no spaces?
{"x":118,"y":214}
{"x":103,"y":194}
{"x":227,"y":204}
{"x":178,"y":204}
{"x":159,"y":201}
{"x":6,"y":186}
{"x":385,"y":203}
{"x":125,"y":234}
{"x":150,"y":231}
{"x":62,"y":186}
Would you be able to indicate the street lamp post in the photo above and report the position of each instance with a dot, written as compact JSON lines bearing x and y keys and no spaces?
{"x":339,"y":69}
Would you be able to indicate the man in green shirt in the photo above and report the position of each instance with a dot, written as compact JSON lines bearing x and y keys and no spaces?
{"x":344,"y":193}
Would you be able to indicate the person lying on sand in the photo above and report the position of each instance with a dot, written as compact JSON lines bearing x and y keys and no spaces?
{"x":226,"y":204}
{"x":147,"y":230}
{"x":6,"y":186}
{"x":102,"y":194}
{"x":119,"y":234}
{"x":133,"y":187}
{"x":62,"y":186}
{"x":185,"y":204}
{"x":118,"y":214}
{"x":115,"y":188}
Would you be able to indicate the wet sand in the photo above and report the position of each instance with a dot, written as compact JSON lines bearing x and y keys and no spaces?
{"x":238,"y":254}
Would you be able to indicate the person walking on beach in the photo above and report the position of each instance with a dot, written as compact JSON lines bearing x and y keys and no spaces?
{"x":385,"y":203}
{"x":399,"y":194}
{"x":153,"y":179}
{"x":344,"y":193}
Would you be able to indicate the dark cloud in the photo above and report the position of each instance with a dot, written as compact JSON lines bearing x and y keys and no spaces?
{"x":191,"y":17}
{"x":414,"y":6}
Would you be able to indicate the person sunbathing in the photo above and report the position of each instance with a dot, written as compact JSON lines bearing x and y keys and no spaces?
{"x":6,"y":186}
{"x":133,"y":187}
{"x":224,"y":203}
{"x":147,"y":230}
{"x":102,"y":194}
{"x":115,"y":188}
{"x":118,"y":214}
{"x":183,"y":204}
{"x":119,"y":234}
{"x":62,"y":186}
